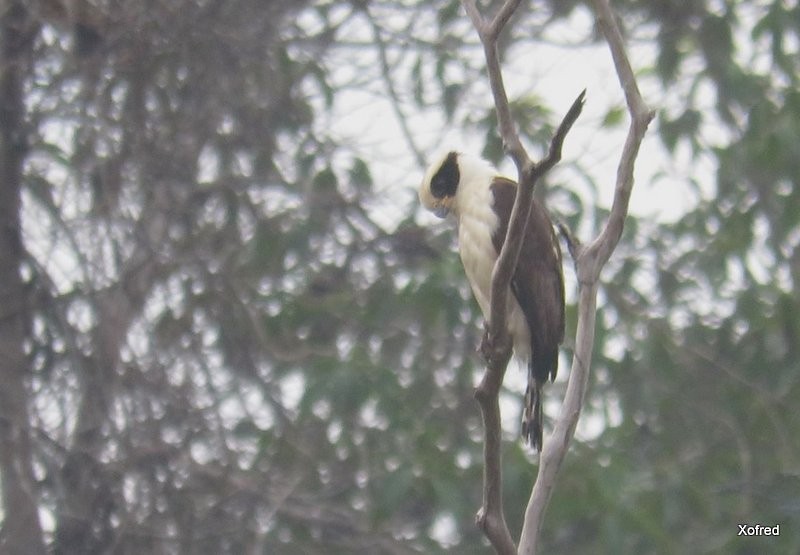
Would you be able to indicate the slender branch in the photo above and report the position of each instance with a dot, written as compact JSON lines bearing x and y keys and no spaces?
{"x":488,"y":34}
{"x":589,"y":262}
{"x":557,"y":142}
{"x":607,"y":22}
{"x":386,"y":73}
{"x":512,"y":245}
{"x":477,"y":19}
{"x":557,"y":444}
{"x":573,"y":244}
{"x":490,"y":517}
{"x":496,"y":346}
{"x":600,"y":250}
{"x":501,"y":19}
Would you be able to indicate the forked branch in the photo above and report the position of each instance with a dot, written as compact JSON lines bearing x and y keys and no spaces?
{"x":588,"y":264}
{"x":496,"y":346}
{"x":589,"y":261}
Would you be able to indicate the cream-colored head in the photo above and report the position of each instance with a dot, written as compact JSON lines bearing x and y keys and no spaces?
{"x":448,"y":176}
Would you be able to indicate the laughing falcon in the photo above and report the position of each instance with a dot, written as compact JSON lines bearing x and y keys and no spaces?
{"x":471,"y":190}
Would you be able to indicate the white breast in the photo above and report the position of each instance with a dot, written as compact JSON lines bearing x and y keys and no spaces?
{"x":476,"y":224}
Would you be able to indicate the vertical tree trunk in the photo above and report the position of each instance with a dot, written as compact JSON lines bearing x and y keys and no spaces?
{"x":21,"y":532}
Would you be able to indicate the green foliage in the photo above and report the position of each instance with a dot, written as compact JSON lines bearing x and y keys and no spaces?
{"x":614,"y":117}
{"x":263,"y":360}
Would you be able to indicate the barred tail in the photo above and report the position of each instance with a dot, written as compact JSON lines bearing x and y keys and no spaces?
{"x":532,"y":415}
{"x":543,"y":366}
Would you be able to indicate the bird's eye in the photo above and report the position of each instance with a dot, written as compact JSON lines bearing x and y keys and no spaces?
{"x":439,"y":186}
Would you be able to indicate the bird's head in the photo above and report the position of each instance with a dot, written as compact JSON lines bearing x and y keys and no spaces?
{"x":437,"y":192}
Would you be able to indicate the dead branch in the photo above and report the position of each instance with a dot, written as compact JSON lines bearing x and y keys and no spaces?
{"x":641,"y":115}
{"x":496,"y":346}
{"x":588,"y":264}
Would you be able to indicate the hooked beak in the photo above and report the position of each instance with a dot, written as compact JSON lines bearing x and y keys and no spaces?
{"x":441,"y":211}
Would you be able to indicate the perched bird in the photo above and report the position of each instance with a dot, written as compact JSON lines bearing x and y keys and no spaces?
{"x":470,"y":189}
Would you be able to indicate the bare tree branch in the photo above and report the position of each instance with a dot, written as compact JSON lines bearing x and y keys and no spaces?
{"x":509,"y":254}
{"x":556,"y":445}
{"x":573,"y":243}
{"x":496,"y":346}
{"x":386,"y":74}
{"x":600,"y":250}
{"x":488,"y":33}
{"x":588,"y":263}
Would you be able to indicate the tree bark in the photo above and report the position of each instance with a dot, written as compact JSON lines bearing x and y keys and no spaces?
{"x":589,"y":261}
{"x":21,"y":531}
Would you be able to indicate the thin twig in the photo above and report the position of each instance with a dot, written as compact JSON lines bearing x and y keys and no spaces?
{"x":512,"y":245}
{"x":386,"y":73}
{"x":573,"y":243}
{"x":641,"y":115}
{"x":488,"y":34}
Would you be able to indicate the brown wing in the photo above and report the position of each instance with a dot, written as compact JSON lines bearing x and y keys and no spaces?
{"x":538,"y":286}
{"x":538,"y":283}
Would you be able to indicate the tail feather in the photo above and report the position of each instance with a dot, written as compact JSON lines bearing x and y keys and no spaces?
{"x":541,"y":369}
{"x":532,"y":415}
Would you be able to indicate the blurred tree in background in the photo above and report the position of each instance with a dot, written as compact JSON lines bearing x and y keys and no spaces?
{"x":223,"y":329}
